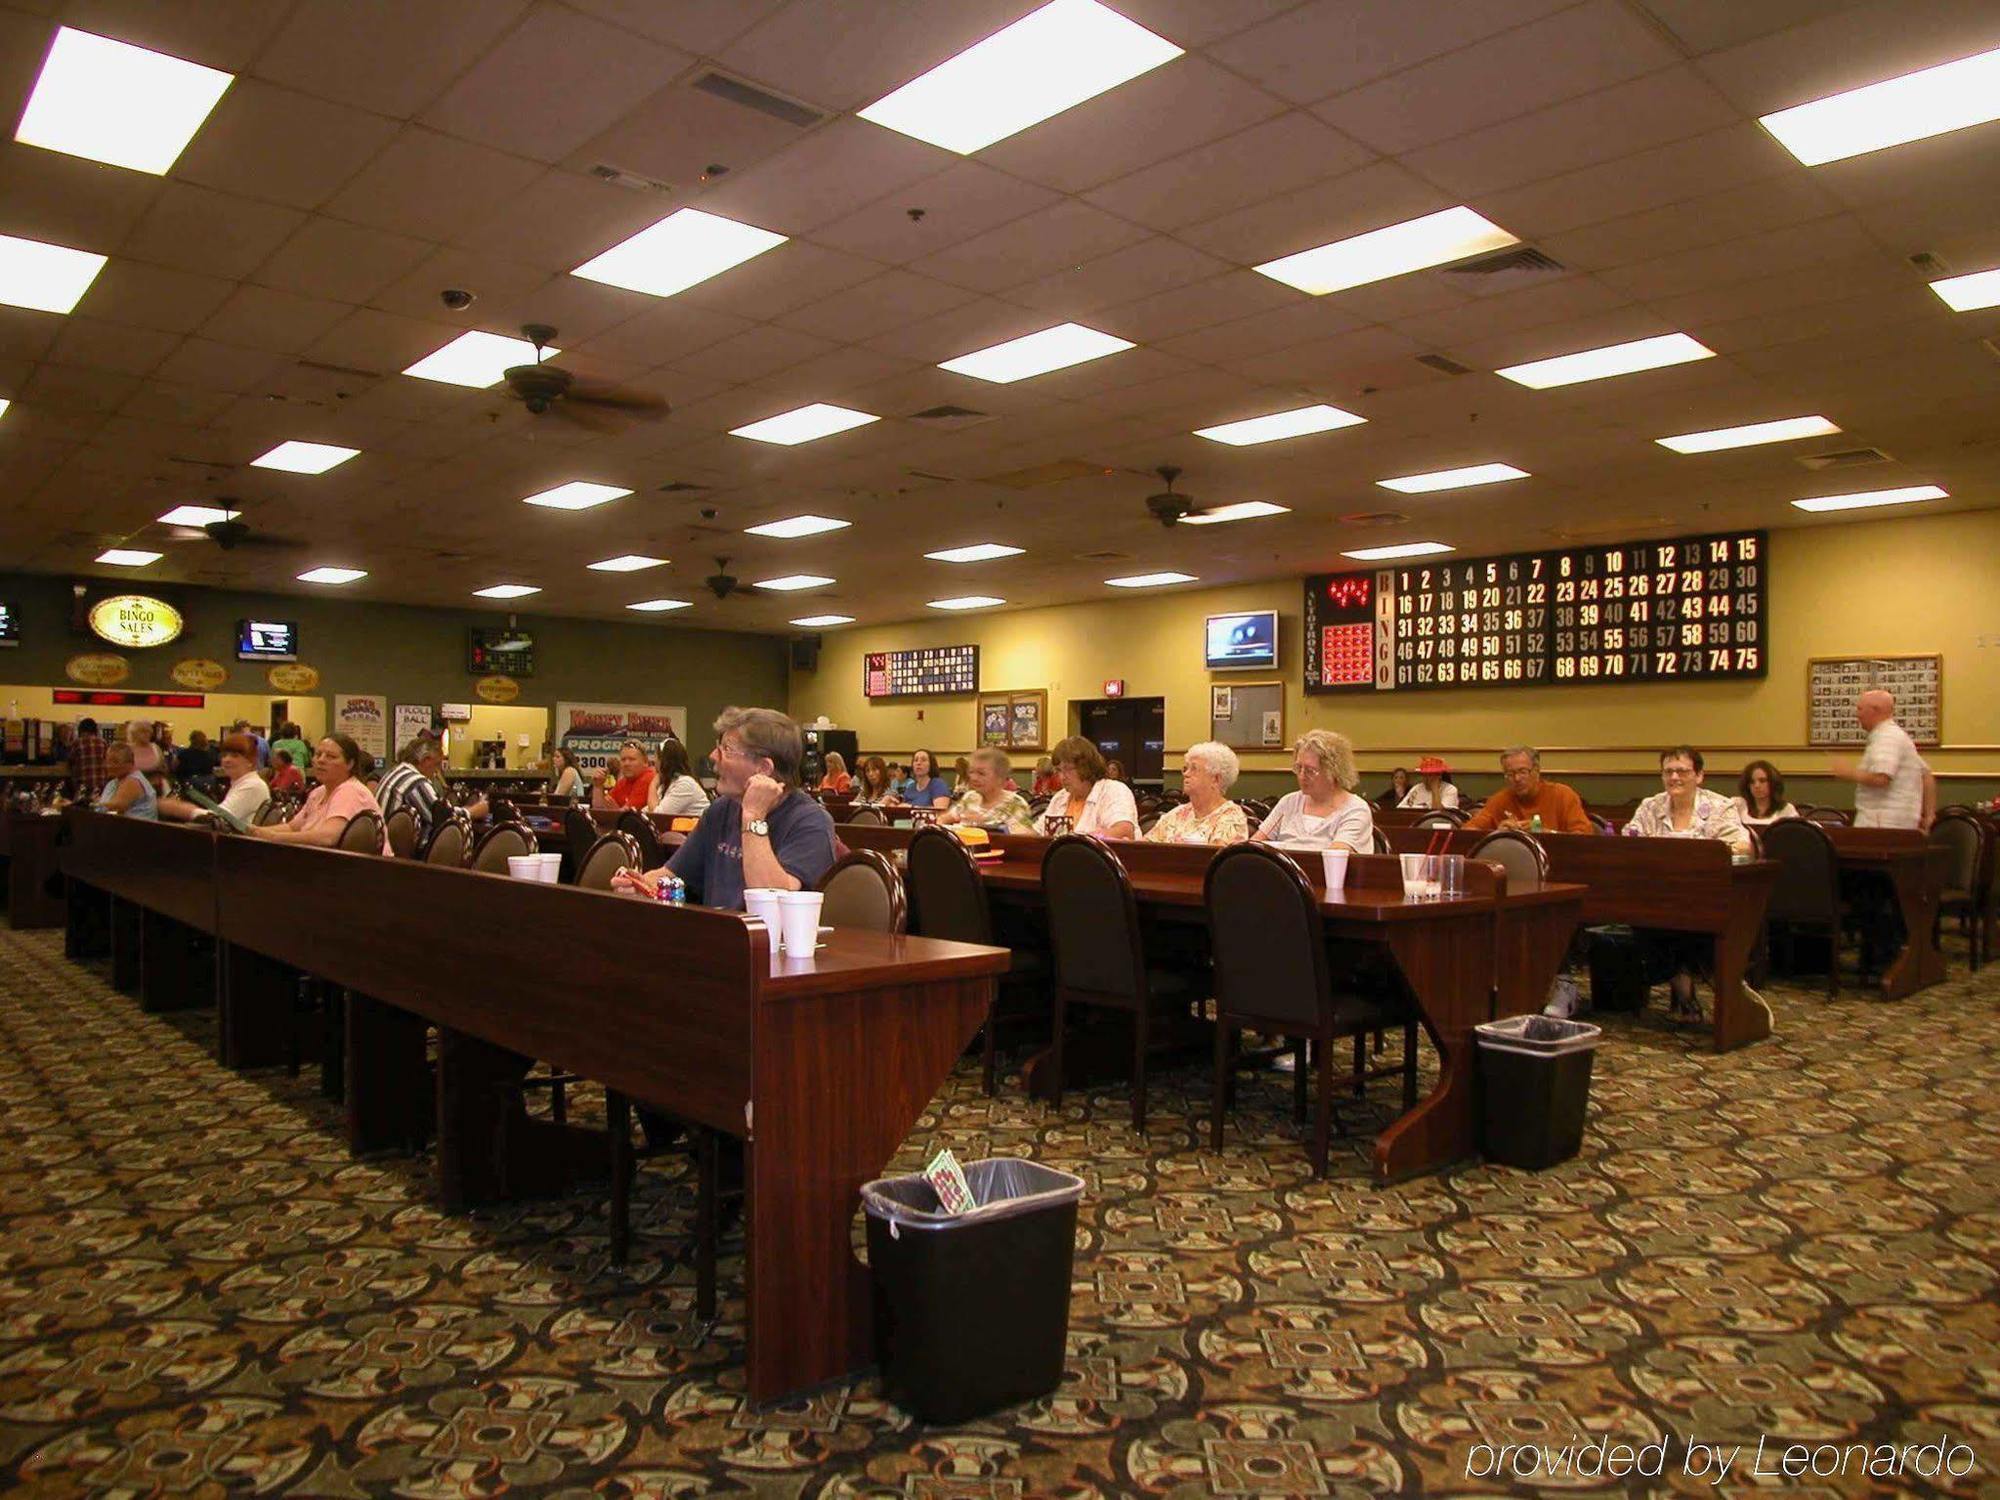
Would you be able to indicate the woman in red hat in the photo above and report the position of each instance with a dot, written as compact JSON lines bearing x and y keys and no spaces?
{"x":1433,"y":791}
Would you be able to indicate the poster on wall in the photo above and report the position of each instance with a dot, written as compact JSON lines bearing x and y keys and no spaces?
{"x":593,"y":731}
{"x":363,"y":717}
{"x":411,"y":720}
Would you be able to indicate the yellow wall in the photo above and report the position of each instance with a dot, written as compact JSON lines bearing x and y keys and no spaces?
{"x":222,"y":710}
{"x":493,"y":722}
{"x":1902,"y":585}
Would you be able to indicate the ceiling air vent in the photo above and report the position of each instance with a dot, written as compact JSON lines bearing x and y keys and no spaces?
{"x":1373,"y":518}
{"x":1104,"y":557}
{"x":680,"y":487}
{"x":327,"y":369}
{"x":949,"y":418}
{"x":722,"y":86}
{"x":1845,"y":458}
{"x":1059,"y":472}
{"x":1504,"y":270}
{"x":1444,"y":364}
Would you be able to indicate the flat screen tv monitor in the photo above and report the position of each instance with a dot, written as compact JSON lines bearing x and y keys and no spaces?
{"x":1243,"y":641}
{"x":267,"y":640}
{"x":10,"y":628}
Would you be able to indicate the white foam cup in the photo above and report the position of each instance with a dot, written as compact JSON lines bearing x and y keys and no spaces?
{"x":523,"y":867}
{"x":762,"y":903}
{"x":551,"y":867}
{"x":798,"y":914}
{"x":1336,"y":868}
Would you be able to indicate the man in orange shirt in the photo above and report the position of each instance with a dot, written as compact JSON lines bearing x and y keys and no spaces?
{"x":1527,"y":797}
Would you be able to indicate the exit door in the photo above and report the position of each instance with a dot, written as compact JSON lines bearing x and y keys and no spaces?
{"x":1131,"y":731}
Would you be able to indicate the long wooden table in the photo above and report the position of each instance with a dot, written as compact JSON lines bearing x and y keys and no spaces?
{"x":28,"y":844}
{"x":1915,"y":871}
{"x":821,"y":1065}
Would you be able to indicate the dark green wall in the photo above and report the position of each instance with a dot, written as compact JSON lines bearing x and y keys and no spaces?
{"x":413,"y":655}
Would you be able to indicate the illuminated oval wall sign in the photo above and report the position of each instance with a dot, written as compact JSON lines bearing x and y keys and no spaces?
{"x":97,"y":669}
{"x":297,"y":678}
{"x":497,"y":689}
{"x":200,"y":674}
{"x":135,"y":620}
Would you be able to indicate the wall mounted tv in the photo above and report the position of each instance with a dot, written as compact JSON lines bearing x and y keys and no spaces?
{"x":10,"y":627}
{"x":1244,"y":641}
{"x":267,"y":640}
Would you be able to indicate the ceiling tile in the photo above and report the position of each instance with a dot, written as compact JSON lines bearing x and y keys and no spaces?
{"x":152,"y":297}
{"x":956,"y":204}
{"x":1664,"y":232}
{"x":892,"y":300}
{"x":1269,"y":159}
{"x":65,"y":200}
{"x":119,"y":347}
{"x":1064,"y":235}
{"x":1152,"y":265}
{"x":207,"y":365}
{"x":281,"y":146}
{"x":73,"y":388}
{"x":383,"y":55}
{"x":1262,"y":332}
{"x":697,"y":26}
{"x":341,"y":262}
{"x":758,"y":353}
{"x":667,"y":332}
{"x":194,"y":229}
{"x":1845,"y":47}
{"x":822,"y":176}
{"x":224,"y":34}
{"x":1790,"y":247}
{"x":1371,"y":198}
{"x":1222,"y":299}
{"x":790,"y":276}
{"x":259,"y":317}
{"x":677,"y":134}
{"x":432,"y":186}
{"x":379,"y":342}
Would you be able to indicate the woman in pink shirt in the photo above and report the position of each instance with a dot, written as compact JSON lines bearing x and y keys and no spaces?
{"x":339,"y":796}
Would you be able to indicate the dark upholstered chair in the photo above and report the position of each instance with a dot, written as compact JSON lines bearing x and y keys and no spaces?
{"x":1441,"y":817}
{"x":1806,"y":893}
{"x":1830,"y":817}
{"x":863,"y":890}
{"x":1519,"y":854}
{"x":868,"y":817}
{"x":1273,"y":976}
{"x":402,"y":830}
{"x":579,"y":837}
{"x":498,"y":844}
{"x":651,"y":852}
{"x":276,"y":810}
{"x":1970,"y":844}
{"x":362,"y":835}
{"x":450,"y":842}
{"x":604,"y":858}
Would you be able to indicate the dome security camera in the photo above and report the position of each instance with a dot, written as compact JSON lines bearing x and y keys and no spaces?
{"x":457,"y":299}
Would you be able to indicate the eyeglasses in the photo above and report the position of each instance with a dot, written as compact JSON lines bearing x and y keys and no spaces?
{"x":724,"y":747}
{"x":1677,"y":770}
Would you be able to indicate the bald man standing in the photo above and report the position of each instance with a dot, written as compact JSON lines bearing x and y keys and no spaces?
{"x":1893,"y":788}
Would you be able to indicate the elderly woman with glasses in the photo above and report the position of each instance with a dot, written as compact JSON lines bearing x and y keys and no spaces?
{"x":1324,"y":813}
{"x":1685,"y":810}
{"x":1208,"y":771}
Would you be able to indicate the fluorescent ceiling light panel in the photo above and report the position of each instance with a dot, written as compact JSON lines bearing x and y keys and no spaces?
{"x":1406,"y":549}
{"x":304,"y":458}
{"x":332,"y":575}
{"x":660,"y":606}
{"x":797,"y":526}
{"x":507,"y":591}
{"x":197,"y":515}
{"x":1613,"y":359}
{"x":1281,"y":424}
{"x":127,"y":557}
{"x":1036,"y":354}
{"x":684,"y":249}
{"x":794,"y":581}
{"x":1453,"y":479}
{"x":46,"y":278}
{"x":1932,"y":102}
{"x":1970,"y":292}
{"x":967,"y":601}
{"x":477,"y":360}
{"x":1149,"y":580}
{"x":1868,"y":499}
{"x":112,"y":102}
{"x":1783,"y":431}
{"x":803,"y":425}
{"x":978,"y":552}
{"x":1045,"y":63}
{"x":4,"y":404}
{"x":811,"y":621}
{"x":1244,"y":510}
{"x":1414,"y":245}
{"x":631,"y":562}
{"x":578,"y":494}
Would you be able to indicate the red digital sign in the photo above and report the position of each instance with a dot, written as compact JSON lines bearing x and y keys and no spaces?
{"x":107,"y":698}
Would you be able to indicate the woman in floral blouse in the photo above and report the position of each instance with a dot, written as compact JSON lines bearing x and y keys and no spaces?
{"x":986,"y":802}
{"x":1685,"y":810}
{"x":1208,"y":770}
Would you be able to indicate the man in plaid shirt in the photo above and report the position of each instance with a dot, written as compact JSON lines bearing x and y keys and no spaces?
{"x":86,"y":760}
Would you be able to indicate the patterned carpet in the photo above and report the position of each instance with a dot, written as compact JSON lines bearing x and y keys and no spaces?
{"x":200,"y":1293}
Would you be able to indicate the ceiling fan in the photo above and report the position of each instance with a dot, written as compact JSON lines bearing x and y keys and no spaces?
{"x":232,"y":532}
{"x":722,"y":582}
{"x":1170,"y":508}
{"x":550,"y":390}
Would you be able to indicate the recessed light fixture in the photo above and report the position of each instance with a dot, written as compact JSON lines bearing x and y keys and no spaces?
{"x":967,"y":601}
{"x":631,"y":562}
{"x":1243,"y":510}
{"x":1613,"y":359}
{"x":304,"y":458}
{"x":507,"y":591}
{"x":1783,"y":431}
{"x":1407,"y":549}
{"x":127,"y":557}
{"x":46,"y":278}
{"x":1036,"y":354}
{"x":332,"y":575}
{"x":804,"y":424}
{"x":1868,"y":499}
{"x":660,"y":606}
{"x":1149,"y":580}
{"x":978,"y":552}
{"x":793,"y":581}
{"x":1948,"y":97}
{"x":814,"y":621}
{"x":112,"y":102}
{"x":1048,"y":61}
{"x":1414,"y":245}
{"x":797,"y":526}
{"x":477,"y":359}
{"x":578,"y":494}
{"x":1967,"y":293}
{"x":1281,"y":424}
{"x":197,"y":515}
{"x":4,"y":404}
{"x":682,"y":250}
{"x":1453,"y":479}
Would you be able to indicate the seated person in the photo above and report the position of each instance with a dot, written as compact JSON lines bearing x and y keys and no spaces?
{"x":1324,"y":812}
{"x":1433,"y":791}
{"x":126,"y":791}
{"x":416,"y":781}
{"x":287,"y":780}
{"x":1397,"y":789}
{"x":340,"y":795}
{"x":961,"y":775}
{"x":146,"y":759}
{"x":197,"y":761}
{"x":835,"y":778}
{"x":1046,"y":783}
{"x":875,"y":784}
{"x":681,"y":795}
{"x":1684,"y":811}
{"x":1527,"y":798}
{"x":1208,"y":771}
{"x":631,"y":787}
{"x":986,"y":802}
{"x":761,"y":830}
{"x":924,"y":787}
{"x":1760,"y":796}
{"x":246,"y":795}
{"x":569,"y":780}
{"x":1090,"y":796}
{"x":288,"y":738}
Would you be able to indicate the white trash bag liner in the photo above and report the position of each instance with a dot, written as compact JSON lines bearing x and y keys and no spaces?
{"x":1538,"y":1036}
{"x":1002,"y":1186}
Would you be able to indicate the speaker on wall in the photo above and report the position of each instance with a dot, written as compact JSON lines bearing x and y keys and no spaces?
{"x":805,"y":653}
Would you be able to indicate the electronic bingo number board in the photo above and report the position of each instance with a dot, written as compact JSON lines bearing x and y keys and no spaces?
{"x":1686,"y":607}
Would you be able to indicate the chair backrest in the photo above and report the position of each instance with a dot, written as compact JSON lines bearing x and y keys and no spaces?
{"x":866,"y":816}
{"x":1808,"y":883}
{"x":604,"y":858}
{"x":863,"y":890}
{"x":277,"y":810}
{"x":1093,"y":918}
{"x":498,"y":844}
{"x":1267,"y":937}
{"x":1965,"y":836}
{"x":580,"y":829}
{"x":1830,"y":817}
{"x":402,"y":831}
{"x":1520,"y":854}
{"x":947,"y":897}
{"x":1379,"y":841}
{"x":640,"y":827}
{"x":451,"y":839}
{"x":1441,"y":817}
{"x":363,"y":834}
{"x":1148,"y":820}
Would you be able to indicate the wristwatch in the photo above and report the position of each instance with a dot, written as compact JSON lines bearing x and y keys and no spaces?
{"x":759,"y":827}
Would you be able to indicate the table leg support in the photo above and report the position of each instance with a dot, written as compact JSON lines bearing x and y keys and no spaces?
{"x":1448,"y":967}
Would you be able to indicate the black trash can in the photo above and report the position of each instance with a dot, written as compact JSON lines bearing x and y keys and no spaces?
{"x":1617,"y":970}
{"x":972,"y":1310}
{"x":1534,"y":1072}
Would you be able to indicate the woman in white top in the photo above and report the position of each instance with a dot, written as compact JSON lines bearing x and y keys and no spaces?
{"x":569,"y":780}
{"x":248,"y":792}
{"x":1760,"y":796}
{"x":1089,"y":797}
{"x":1324,"y":813}
{"x":681,"y":795}
{"x":1433,"y":791}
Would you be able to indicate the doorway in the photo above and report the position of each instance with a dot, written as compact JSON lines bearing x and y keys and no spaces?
{"x":1131,"y":731}
{"x":281,"y":710}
